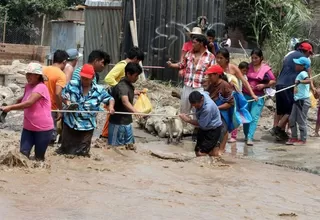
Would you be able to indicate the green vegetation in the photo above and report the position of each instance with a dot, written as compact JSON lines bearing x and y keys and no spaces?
{"x":22,"y":14}
{"x":271,"y":24}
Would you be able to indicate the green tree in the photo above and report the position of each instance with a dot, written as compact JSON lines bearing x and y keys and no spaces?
{"x":22,"y":14}
{"x":75,"y":2}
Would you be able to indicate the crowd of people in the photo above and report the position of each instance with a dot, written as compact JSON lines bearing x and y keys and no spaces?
{"x":52,"y":91}
{"x":214,"y":91}
{"x":207,"y":72}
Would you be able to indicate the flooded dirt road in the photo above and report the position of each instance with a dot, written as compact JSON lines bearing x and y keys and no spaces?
{"x":119,"y":184}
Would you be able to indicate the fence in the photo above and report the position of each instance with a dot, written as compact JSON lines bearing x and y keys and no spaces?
{"x":161,"y":28}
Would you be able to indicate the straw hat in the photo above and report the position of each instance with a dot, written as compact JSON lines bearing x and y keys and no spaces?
{"x":35,"y":68}
{"x":196,"y":31}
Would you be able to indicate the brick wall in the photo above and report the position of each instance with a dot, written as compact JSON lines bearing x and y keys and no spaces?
{"x":10,"y":52}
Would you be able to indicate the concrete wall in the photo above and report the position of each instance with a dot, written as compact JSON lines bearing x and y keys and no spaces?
{"x":10,"y":52}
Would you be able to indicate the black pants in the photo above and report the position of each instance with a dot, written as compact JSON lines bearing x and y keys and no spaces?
{"x":75,"y":142}
{"x":208,"y":139}
{"x":39,"y":139}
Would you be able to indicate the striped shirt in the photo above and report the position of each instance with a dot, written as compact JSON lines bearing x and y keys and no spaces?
{"x":91,"y":102}
{"x":195,"y":73}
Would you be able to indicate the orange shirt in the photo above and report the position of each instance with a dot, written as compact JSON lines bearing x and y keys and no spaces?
{"x":56,"y":77}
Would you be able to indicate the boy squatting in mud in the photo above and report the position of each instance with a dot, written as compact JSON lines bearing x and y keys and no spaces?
{"x":209,"y":121}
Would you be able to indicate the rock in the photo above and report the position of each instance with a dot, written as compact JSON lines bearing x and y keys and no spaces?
{"x":14,"y":87}
{"x":6,"y":93}
{"x":312,"y":114}
{"x":270,"y":104}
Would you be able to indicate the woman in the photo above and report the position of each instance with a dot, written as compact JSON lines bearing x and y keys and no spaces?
{"x":259,"y":77}
{"x":78,"y":128}
{"x":221,"y":93}
{"x":37,"y":122}
{"x":235,"y":77}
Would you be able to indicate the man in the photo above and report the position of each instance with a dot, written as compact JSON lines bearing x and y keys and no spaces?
{"x":98,"y":59}
{"x":213,"y":46}
{"x":208,"y":120}
{"x":55,"y":83}
{"x":196,"y":63}
{"x":135,"y":55}
{"x":120,"y":126}
{"x":284,"y":99}
{"x":73,"y":58}
{"x":78,"y":127}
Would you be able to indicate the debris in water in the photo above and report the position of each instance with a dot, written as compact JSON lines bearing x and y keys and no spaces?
{"x":288,"y":214}
{"x":13,"y":159}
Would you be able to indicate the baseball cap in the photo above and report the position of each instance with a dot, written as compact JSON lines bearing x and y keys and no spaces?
{"x":87,"y":71}
{"x":215,"y":69}
{"x":73,"y":54}
{"x":304,"y":61}
{"x":307,"y":47}
{"x":35,"y":68}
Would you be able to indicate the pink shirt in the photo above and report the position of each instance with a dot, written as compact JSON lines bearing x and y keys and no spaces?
{"x":254,"y":78}
{"x":38,"y":116}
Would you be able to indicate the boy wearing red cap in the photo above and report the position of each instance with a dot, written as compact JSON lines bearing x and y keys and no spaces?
{"x":78,"y":127}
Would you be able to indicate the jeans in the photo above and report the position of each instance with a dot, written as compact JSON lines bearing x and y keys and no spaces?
{"x":39,"y":139}
{"x":255,"y":109}
{"x":299,"y":115}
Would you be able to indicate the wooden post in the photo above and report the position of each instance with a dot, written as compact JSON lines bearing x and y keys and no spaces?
{"x":4,"y":26}
{"x":134,"y":34}
{"x":42,"y":29}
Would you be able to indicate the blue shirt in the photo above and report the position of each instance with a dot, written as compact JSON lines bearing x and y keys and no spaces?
{"x":76,"y":75}
{"x":91,"y":102}
{"x":302,"y":91}
{"x":288,"y":73}
{"x":208,"y":115}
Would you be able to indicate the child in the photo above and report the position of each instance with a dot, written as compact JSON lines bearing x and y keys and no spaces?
{"x":244,"y":67}
{"x":301,"y":103}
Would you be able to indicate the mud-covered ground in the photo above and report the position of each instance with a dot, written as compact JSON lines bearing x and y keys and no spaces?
{"x":160,"y":181}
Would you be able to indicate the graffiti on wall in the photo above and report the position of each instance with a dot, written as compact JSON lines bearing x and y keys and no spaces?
{"x":174,"y":32}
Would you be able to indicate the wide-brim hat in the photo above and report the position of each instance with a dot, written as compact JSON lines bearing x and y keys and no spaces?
{"x":196,"y":31}
{"x":35,"y":68}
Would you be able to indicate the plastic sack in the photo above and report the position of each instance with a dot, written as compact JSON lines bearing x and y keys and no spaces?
{"x":313,"y":100}
{"x":241,"y":115}
{"x":143,"y":104}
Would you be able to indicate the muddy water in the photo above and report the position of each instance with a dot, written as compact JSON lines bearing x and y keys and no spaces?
{"x":118,"y":184}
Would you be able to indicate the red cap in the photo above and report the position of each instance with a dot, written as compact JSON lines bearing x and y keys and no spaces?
{"x":215,"y":69}
{"x":87,"y":71}
{"x":307,"y":47}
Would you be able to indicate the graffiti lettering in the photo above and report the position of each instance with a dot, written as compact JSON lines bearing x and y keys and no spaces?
{"x":163,"y":41}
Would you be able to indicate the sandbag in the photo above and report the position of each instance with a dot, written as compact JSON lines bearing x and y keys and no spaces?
{"x":143,"y":104}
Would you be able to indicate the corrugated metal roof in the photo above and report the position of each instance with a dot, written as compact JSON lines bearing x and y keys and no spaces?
{"x":102,"y":31}
{"x":104,"y":3}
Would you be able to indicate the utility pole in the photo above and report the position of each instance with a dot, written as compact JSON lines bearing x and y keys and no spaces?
{"x":4,"y":26}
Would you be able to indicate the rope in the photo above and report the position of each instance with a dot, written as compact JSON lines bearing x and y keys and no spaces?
{"x":145,"y":114}
{"x":119,"y":113}
{"x":281,"y":90}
